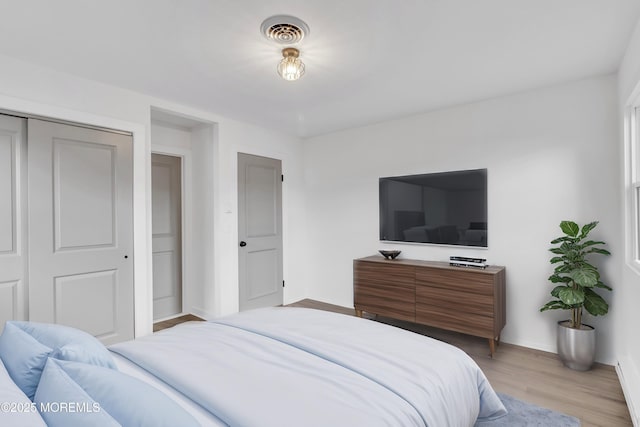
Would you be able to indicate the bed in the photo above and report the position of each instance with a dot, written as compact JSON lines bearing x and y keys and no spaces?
{"x":283,"y":366}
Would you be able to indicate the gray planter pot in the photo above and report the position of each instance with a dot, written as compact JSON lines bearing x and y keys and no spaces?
{"x":576,"y":347}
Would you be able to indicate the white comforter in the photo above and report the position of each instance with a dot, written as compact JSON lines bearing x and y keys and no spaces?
{"x":300,"y":367}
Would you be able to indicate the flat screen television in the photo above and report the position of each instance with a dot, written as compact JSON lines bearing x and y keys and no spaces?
{"x":448,"y":208}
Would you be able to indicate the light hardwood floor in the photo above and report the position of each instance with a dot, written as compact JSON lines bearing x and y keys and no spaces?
{"x":534,"y":376}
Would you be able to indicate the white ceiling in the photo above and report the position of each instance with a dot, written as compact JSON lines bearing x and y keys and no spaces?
{"x":366,"y":60}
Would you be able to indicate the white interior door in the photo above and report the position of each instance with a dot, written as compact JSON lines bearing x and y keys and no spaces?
{"x":12,"y":219}
{"x":166,"y":173}
{"x":81,"y":229}
{"x":260,"y":231}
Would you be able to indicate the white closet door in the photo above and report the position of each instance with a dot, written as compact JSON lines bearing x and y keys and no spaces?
{"x":12,"y":220}
{"x":167,"y":231}
{"x":81,"y":229}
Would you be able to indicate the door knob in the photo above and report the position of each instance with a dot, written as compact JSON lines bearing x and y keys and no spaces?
{"x":243,"y":244}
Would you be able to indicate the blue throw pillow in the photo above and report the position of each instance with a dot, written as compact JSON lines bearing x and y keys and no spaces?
{"x":24,"y":357}
{"x":55,"y":395}
{"x":25,"y":347}
{"x":16,"y":410}
{"x":69,"y":343}
{"x":128,"y":400}
{"x":25,"y":414}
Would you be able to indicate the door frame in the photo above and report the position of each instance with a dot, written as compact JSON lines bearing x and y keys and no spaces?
{"x":186,"y":190}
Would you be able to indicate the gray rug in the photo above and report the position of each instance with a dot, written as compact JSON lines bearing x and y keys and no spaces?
{"x":523,"y":414}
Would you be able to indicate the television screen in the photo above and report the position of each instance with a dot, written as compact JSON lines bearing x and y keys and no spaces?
{"x":447,"y":208}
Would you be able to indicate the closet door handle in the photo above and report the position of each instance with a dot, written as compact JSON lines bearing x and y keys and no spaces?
{"x":243,"y":244}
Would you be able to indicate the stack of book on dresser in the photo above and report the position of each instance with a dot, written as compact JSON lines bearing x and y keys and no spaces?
{"x":461,"y":261}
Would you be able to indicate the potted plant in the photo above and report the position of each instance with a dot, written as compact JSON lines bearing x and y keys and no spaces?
{"x":576,"y":282}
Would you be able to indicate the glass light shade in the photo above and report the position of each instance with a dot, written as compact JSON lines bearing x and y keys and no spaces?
{"x":291,"y":67}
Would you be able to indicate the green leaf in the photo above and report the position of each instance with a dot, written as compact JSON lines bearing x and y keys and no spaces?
{"x":558,"y":251}
{"x":567,"y":246}
{"x":555,"y":305}
{"x":574,"y":255}
{"x":603,"y":286}
{"x":587,"y":228}
{"x":569,"y":228}
{"x":554,"y":278}
{"x":571,"y":296}
{"x":561,"y":239}
{"x":587,"y":265}
{"x":584,"y":276}
{"x":598,"y":251}
{"x":556,"y":259}
{"x":591,"y":243}
{"x":594,"y":303}
{"x":556,"y":291}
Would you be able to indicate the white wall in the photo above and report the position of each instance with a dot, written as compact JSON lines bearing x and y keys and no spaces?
{"x":33,"y":89}
{"x":628,"y":349}
{"x":550,"y":155}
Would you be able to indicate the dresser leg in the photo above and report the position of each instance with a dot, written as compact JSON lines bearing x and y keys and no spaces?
{"x":358,"y":313}
{"x":492,"y":346}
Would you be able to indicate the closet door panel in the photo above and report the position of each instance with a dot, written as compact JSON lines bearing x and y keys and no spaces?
{"x":12,"y":220}
{"x":81,"y":229}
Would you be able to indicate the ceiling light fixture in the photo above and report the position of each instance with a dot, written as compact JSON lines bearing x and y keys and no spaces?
{"x":291,"y":67}
{"x":287,"y":30}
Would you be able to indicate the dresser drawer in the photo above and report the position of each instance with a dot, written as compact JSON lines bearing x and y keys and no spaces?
{"x":462,"y":280}
{"x":455,"y":320}
{"x":461,"y":301}
{"x":387,"y":290}
{"x":383,"y":273}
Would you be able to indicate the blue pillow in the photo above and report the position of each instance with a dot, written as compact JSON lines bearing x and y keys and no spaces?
{"x":26,"y":414}
{"x":127,"y":400}
{"x":56,"y":388}
{"x":25,"y":347}
{"x":24,"y":357}
{"x":69,"y":343}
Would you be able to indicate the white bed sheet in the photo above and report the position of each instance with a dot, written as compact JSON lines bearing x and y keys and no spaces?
{"x":204,"y":417}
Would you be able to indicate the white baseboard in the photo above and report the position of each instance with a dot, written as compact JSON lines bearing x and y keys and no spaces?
{"x":629,"y":377}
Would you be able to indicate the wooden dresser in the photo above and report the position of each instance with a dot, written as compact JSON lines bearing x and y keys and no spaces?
{"x":461,"y":299}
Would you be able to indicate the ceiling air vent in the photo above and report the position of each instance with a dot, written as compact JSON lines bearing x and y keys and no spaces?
{"x":284,"y":29}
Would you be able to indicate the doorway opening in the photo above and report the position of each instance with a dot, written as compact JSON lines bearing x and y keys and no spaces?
{"x":166,"y":202}
{"x":182,"y":166}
